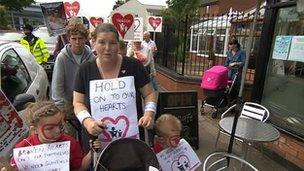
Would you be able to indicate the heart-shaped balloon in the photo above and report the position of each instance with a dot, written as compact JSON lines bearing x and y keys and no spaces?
{"x":122,"y":23}
{"x":71,"y":9}
{"x":154,"y":22}
{"x":96,"y":21}
{"x":182,"y":163}
{"x":116,"y":128}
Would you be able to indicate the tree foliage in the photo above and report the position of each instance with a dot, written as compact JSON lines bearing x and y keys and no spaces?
{"x":118,"y":3}
{"x":15,"y":4}
{"x":179,"y":9}
{"x":3,"y":18}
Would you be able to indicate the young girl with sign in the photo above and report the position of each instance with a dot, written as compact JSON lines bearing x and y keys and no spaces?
{"x":168,"y":130}
{"x":108,"y":91}
{"x":46,"y":123}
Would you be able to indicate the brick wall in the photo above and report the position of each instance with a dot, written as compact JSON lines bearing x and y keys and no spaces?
{"x":289,"y":148}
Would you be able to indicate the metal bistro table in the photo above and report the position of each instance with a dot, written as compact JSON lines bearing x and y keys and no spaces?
{"x":250,"y":130}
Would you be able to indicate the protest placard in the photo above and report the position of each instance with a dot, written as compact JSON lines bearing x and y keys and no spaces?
{"x":114,"y":102}
{"x":138,"y":29}
{"x":71,"y":9}
{"x":124,"y":23}
{"x":180,"y":158}
{"x":47,"y":157}
{"x":54,"y":17}
{"x":154,"y":23}
{"x":96,"y":21}
{"x":12,"y":127}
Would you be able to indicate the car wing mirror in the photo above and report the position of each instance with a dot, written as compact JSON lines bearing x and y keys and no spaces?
{"x":21,"y":100}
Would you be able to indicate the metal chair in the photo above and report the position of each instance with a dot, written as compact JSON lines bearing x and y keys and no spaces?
{"x":220,"y":162}
{"x":250,"y":110}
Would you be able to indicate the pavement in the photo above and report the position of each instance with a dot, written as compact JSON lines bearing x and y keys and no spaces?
{"x":208,"y":129}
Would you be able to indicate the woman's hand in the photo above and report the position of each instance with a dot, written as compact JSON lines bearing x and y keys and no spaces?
{"x":94,"y":127}
{"x":147,"y":121}
{"x":96,"y":144}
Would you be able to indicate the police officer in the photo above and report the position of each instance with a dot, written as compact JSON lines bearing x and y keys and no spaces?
{"x":35,"y":45}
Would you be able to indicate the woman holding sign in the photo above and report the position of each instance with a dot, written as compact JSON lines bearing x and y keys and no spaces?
{"x":108,"y":91}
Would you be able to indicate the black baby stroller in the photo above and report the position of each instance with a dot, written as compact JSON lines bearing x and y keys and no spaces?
{"x":217,"y":89}
{"x":126,"y":154}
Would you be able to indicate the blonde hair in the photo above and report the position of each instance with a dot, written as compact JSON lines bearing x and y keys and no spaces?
{"x":166,"y":122}
{"x":35,"y":111}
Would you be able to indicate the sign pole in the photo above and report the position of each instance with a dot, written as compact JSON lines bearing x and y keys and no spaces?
{"x":239,"y":100}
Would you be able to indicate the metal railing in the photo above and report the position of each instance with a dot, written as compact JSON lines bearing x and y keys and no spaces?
{"x":190,"y":47}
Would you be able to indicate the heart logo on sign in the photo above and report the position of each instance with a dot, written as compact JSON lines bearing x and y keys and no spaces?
{"x":154,"y":22}
{"x":136,"y":24}
{"x":71,"y":9}
{"x":96,"y":21}
{"x":122,"y":23}
{"x":116,"y":128}
{"x":182,"y":163}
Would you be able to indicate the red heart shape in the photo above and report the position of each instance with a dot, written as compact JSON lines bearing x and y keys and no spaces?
{"x":111,"y":133}
{"x":154,"y":22}
{"x":122,"y":23}
{"x":182,"y":163}
{"x":96,"y":21}
{"x":71,"y":9}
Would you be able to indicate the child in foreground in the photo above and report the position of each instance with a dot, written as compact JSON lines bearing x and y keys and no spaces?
{"x":46,"y":125}
{"x":168,"y":130}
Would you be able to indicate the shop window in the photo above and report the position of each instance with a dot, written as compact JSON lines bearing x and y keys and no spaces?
{"x":284,"y":84}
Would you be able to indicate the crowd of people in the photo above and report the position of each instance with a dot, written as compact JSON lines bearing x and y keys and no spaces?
{"x":69,"y":115}
{"x":88,"y":72}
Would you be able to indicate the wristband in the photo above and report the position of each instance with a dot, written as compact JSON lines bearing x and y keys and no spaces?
{"x":82,"y":115}
{"x":150,"y":106}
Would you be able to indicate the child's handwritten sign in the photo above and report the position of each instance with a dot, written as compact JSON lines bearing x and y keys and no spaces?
{"x":12,"y":128}
{"x":48,"y":157}
{"x":181,"y":158}
{"x":114,"y":102}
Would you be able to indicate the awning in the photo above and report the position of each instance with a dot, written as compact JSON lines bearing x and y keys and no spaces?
{"x":236,"y":5}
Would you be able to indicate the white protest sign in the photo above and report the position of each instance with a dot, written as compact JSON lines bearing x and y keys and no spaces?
{"x":95,"y":21}
{"x":114,"y":102}
{"x":124,"y":24}
{"x":297,"y":49}
{"x":46,"y":157}
{"x":72,"y":8}
{"x":154,"y":23}
{"x":180,"y":158}
{"x":12,"y":127}
{"x":138,"y":29}
{"x":281,"y":47}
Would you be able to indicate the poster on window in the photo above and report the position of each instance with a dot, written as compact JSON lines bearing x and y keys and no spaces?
{"x":54,"y":17}
{"x":154,"y":23}
{"x":124,"y":23}
{"x":181,"y":157}
{"x":297,"y":49}
{"x":281,"y":47}
{"x":113,"y":101}
{"x":138,"y":29}
{"x":12,"y":127}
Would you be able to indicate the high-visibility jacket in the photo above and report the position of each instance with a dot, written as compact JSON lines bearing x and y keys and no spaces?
{"x":39,"y":50}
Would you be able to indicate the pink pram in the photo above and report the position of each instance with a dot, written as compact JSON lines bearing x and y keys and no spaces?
{"x":215,"y":87}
